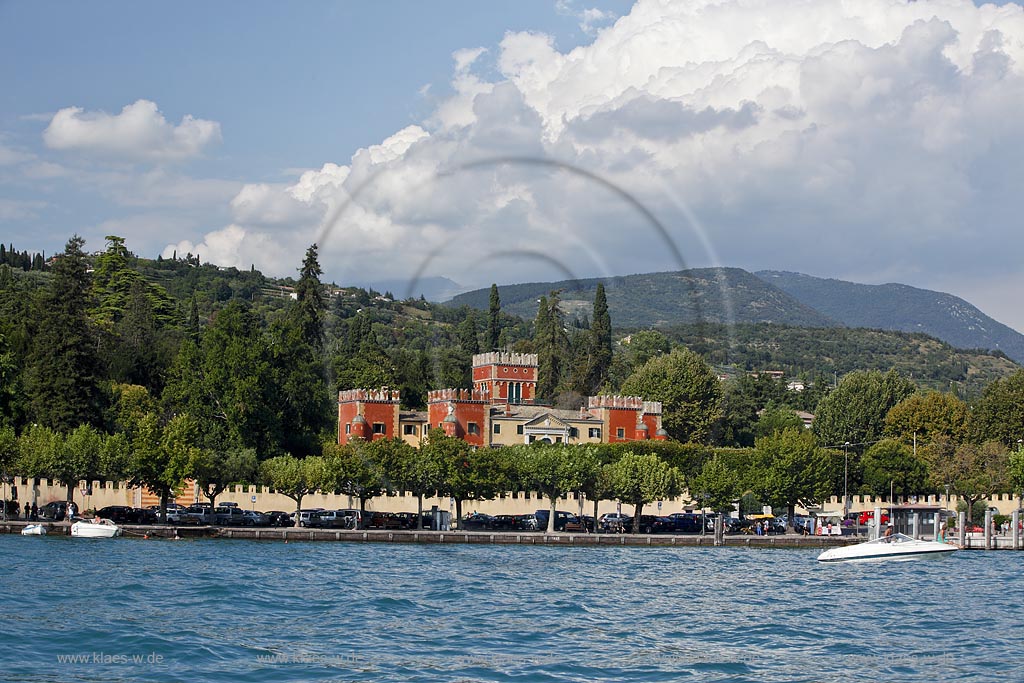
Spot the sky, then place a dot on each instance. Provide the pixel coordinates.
(874, 141)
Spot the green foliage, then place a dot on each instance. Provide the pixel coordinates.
(689, 392)
(999, 414)
(642, 479)
(855, 412)
(890, 465)
(295, 477)
(215, 470)
(551, 345)
(927, 415)
(62, 378)
(776, 419)
(494, 319)
(791, 470)
(553, 470)
(716, 486)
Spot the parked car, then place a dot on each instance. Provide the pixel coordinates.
(503, 522)
(407, 520)
(526, 522)
(653, 524)
(118, 514)
(476, 522)
(577, 524)
(330, 519)
(255, 518)
(867, 516)
(54, 512)
(687, 522)
(279, 518)
(229, 516)
(561, 518)
(306, 517)
(381, 520)
(614, 522)
(145, 516)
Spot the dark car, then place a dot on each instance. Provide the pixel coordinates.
(119, 514)
(145, 516)
(583, 524)
(687, 522)
(561, 518)
(54, 512)
(653, 524)
(407, 520)
(278, 518)
(503, 522)
(526, 523)
(476, 522)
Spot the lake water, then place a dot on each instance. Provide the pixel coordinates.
(227, 611)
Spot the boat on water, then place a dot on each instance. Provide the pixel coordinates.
(33, 530)
(897, 547)
(98, 528)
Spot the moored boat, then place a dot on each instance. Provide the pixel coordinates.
(34, 530)
(99, 528)
(897, 547)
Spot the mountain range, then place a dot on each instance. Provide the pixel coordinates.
(736, 296)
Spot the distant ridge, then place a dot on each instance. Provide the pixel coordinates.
(715, 295)
(903, 308)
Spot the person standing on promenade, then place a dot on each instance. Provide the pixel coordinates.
(35, 512)
(72, 510)
(28, 511)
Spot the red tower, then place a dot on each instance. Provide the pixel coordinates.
(506, 377)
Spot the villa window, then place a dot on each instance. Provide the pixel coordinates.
(474, 428)
(497, 428)
(380, 428)
(620, 432)
(409, 430)
(594, 433)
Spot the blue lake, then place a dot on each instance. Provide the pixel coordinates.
(227, 611)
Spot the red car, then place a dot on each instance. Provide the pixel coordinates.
(868, 515)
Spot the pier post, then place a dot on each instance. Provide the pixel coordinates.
(961, 528)
(876, 524)
(1015, 522)
(913, 525)
(988, 529)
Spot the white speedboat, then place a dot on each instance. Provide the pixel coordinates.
(893, 548)
(100, 528)
(33, 530)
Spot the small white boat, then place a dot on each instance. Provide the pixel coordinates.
(101, 528)
(897, 547)
(33, 530)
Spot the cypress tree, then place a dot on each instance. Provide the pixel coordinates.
(601, 339)
(62, 375)
(494, 320)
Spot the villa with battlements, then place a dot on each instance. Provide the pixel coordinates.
(500, 410)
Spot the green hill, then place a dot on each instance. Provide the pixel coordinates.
(900, 307)
(718, 295)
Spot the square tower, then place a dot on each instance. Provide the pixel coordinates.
(506, 377)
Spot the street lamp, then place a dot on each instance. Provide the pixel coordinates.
(846, 471)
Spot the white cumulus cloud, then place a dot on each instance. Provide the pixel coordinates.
(138, 133)
(868, 139)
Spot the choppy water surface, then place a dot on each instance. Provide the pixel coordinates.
(225, 611)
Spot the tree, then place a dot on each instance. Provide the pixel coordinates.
(791, 470)
(466, 474)
(641, 479)
(62, 378)
(553, 470)
(716, 486)
(999, 413)
(295, 477)
(855, 411)
(356, 470)
(974, 471)
(600, 341)
(688, 389)
(924, 416)
(229, 386)
(163, 455)
(418, 471)
(309, 301)
(551, 344)
(891, 466)
(1015, 469)
(216, 470)
(776, 419)
(494, 320)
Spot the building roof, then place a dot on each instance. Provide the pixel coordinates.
(413, 416)
(532, 413)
